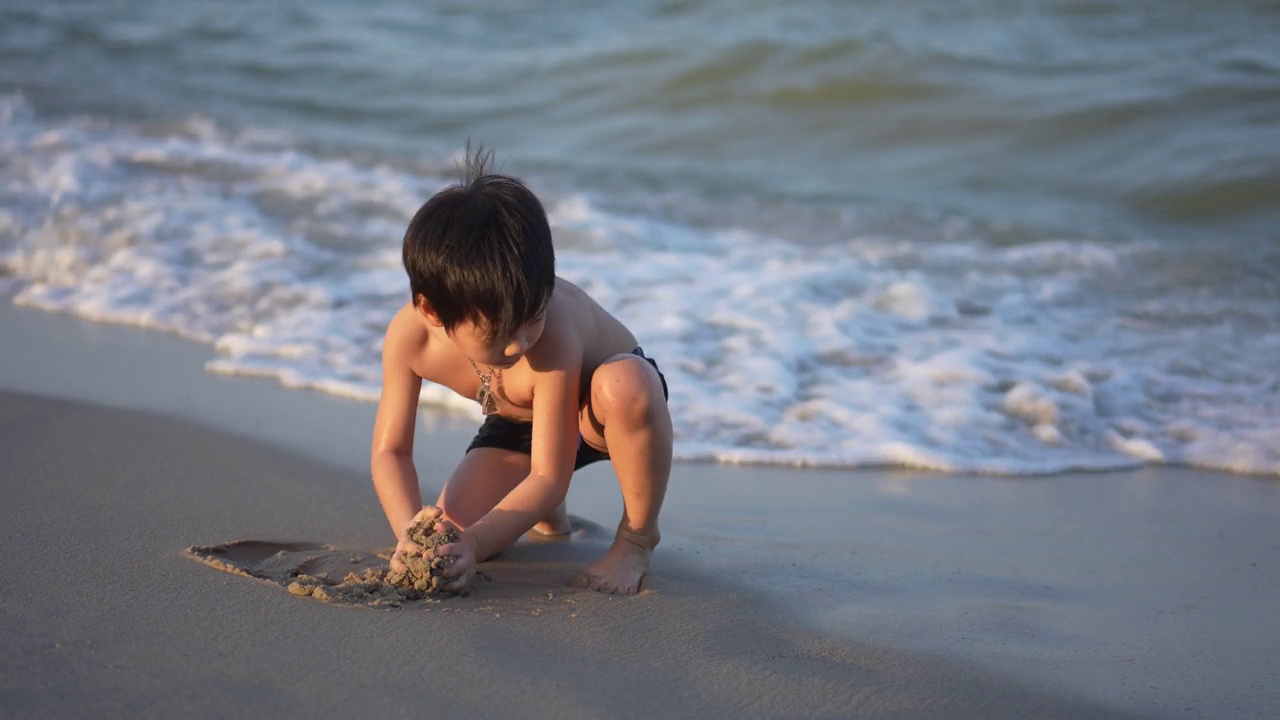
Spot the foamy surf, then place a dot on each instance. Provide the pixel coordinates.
(925, 350)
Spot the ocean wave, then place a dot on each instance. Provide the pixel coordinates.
(808, 297)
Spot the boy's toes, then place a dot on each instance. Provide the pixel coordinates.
(625, 588)
(604, 584)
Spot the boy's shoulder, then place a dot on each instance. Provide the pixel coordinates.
(405, 336)
(582, 327)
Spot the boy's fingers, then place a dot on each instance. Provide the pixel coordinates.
(452, 548)
(457, 577)
(456, 568)
(453, 570)
(428, 512)
(457, 585)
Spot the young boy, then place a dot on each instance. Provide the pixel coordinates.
(561, 381)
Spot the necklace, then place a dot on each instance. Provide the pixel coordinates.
(485, 396)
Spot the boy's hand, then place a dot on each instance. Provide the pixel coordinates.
(463, 552)
(404, 548)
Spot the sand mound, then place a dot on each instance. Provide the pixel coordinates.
(308, 570)
(312, 569)
(358, 577)
(419, 576)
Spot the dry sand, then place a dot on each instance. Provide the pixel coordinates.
(775, 593)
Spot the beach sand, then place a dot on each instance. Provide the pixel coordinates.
(776, 592)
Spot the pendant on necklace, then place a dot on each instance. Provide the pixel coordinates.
(484, 396)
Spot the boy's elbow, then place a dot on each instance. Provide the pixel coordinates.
(380, 457)
(555, 487)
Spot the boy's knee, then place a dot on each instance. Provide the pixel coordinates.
(626, 390)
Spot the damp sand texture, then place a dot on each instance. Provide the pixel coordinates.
(313, 569)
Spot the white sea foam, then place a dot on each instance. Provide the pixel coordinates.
(921, 352)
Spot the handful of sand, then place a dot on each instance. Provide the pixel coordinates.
(419, 576)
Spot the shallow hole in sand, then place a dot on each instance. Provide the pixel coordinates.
(534, 573)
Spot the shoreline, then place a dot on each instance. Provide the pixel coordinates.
(1143, 591)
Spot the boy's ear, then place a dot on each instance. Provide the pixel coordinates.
(426, 311)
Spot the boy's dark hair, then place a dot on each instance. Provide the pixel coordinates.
(480, 251)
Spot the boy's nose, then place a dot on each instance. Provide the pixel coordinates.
(516, 347)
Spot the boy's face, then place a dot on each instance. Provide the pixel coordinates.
(474, 340)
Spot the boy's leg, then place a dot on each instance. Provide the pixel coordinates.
(481, 480)
(628, 416)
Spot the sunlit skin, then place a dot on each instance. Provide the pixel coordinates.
(571, 373)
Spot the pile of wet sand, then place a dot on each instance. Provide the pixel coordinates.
(419, 575)
(311, 569)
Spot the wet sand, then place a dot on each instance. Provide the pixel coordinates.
(776, 593)
(105, 616)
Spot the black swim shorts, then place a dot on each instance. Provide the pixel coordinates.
(517, 436)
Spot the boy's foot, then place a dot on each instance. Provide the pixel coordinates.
(619, 571)
(555, 525)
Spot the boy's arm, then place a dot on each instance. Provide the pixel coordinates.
(391, 455)
(554, 448)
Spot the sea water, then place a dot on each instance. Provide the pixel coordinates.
(965, 235)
